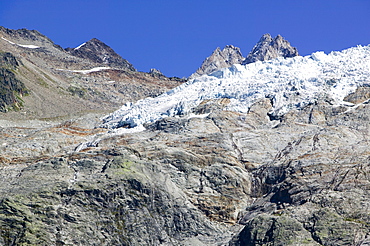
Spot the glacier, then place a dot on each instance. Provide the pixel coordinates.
(288, 82)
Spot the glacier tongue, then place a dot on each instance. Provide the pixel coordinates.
(289, 82)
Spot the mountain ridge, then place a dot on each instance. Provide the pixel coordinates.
(79, 82)
(267, 48)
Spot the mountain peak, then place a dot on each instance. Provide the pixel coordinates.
(269, 48)
(219, 59)
(266, 37)
(98, 52)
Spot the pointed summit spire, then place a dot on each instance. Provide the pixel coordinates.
(219, 59)
(269, 48)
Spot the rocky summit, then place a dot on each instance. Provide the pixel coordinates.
(268, 153)
(98, 52)
(267, 48)
(219, 59)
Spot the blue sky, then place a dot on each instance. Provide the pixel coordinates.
(175, 36)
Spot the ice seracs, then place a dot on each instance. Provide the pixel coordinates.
(288, 82)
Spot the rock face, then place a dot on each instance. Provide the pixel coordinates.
(224, 179)
(11, 89)
(269, 48)
(98, 52)
(219, 59)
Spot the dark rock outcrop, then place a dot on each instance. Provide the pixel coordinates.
(11, 88)
(269, 48)
(359, 96)
(98, 52)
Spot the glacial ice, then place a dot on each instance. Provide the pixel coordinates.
(289, 82)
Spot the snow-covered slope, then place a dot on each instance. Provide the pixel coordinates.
(290, 83)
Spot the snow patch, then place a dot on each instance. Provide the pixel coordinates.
(79, 46)
(29, 46)
(200, 116)
(95, 69)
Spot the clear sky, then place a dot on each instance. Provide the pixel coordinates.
(175, 36)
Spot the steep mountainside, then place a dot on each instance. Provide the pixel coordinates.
(11, 89)
(268, 153)
(61, 83)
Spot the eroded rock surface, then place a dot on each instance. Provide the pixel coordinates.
(213, 178)
(11, 89)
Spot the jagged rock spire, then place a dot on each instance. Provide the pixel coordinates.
(219, 59)
(269, 48)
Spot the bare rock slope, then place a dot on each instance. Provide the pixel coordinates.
(225, 179)
(98, 52)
